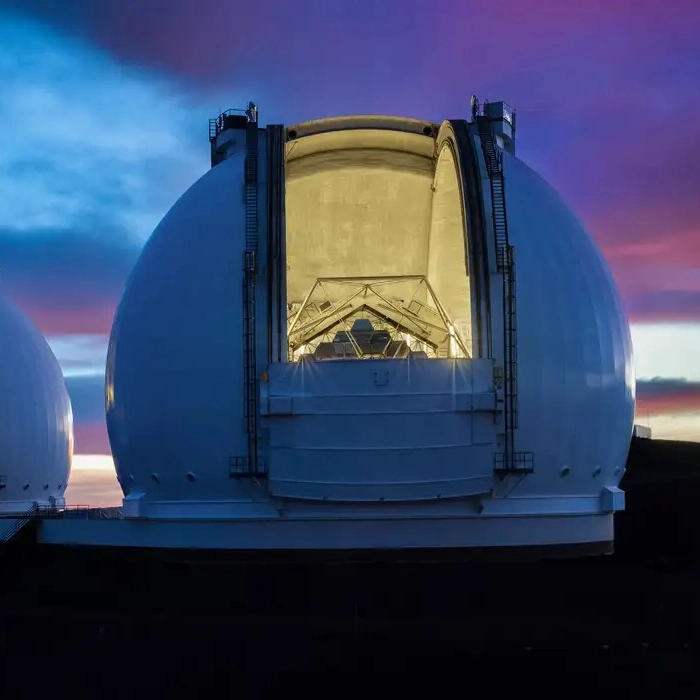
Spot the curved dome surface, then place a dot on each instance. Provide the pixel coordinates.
(174, 381)
(367, 204)
(576, 384)
(36, 420)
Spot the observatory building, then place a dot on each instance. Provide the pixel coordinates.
(367, 333)
(36, 421)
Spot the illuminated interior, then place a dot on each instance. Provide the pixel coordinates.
(376, 255)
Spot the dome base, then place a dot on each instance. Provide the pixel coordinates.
(568, 527)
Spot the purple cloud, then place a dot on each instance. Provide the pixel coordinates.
(663, 396)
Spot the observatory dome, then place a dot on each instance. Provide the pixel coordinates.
(384, 248)
(36, 421)
(576, 384)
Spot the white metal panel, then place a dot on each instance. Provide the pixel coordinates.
(377, 430)
(642, 431)
(575, 374)
(36, 421)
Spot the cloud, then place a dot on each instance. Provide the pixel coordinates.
(603, 92)
(670, 406)
(96, 487)
(107, 105)
(87, 397)
(659, 396)
(99, 152)
(211, 40)
(666, 350)
(219, 43)
(94, 144)
(80, 355)
(684, 426)
(67, 280)
(665, 305)
(91, 438)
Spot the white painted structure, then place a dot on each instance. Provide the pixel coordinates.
(642, 431)
(376, 451)
(36, 421)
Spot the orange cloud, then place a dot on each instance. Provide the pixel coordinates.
(667, 396)
(91, 438)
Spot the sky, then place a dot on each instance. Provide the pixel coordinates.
(105, 106)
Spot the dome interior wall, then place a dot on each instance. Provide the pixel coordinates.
(358, 206)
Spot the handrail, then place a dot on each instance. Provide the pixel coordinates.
(21, 514)
(41, 512)
(218, 124)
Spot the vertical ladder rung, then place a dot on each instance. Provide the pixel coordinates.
(250, 265)
(508, 461)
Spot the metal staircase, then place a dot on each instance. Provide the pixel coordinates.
(13, 529)
(509, 461)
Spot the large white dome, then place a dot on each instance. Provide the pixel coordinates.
(575, 375)
(370, 198)
(36, 421)
(174, 383)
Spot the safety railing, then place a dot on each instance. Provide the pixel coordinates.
(231, 119)
(78, 511)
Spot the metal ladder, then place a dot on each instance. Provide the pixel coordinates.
(250, 466)
(509, 461)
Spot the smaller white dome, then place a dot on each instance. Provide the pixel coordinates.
(36, 420)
